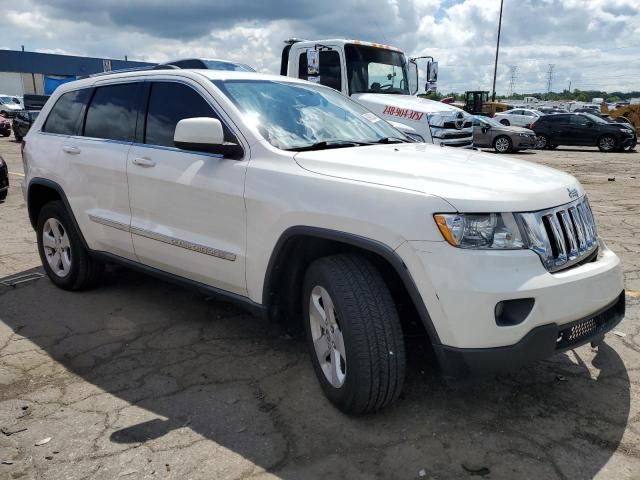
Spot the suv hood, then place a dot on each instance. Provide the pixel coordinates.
(470, 181)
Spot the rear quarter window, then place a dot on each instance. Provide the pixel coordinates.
(65, 116)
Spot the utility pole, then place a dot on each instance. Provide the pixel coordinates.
(569, 86)
(513, 69)
(495, 68)
(550, 77)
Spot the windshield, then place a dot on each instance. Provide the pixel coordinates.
(595, 118)
(5, 99)
(235, 67)
(292, 116)
(376, 70)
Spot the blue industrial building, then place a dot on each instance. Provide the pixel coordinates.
(40, 73)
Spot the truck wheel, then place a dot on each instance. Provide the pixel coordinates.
(502, 144)
(606, 143)
(505, 122)
(354, 333)
(63, 256)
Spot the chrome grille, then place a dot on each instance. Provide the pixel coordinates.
(561, 236)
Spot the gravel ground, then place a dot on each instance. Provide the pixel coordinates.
(141, 379)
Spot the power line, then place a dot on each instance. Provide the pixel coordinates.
(514, 70)
(550, 77)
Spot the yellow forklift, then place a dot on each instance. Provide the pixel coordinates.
(476, 102)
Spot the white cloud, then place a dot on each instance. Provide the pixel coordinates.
(594, 44)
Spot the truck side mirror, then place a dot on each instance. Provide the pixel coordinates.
(313, 65)
(432, 72)
(413, 77)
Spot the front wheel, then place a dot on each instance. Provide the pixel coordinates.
(66, 261)
(502, 144)
(6, 134)
(354, 333)
(607, 143)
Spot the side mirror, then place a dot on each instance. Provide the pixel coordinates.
(204, 134)
(485, 129)
(413, 77)
(432, 72)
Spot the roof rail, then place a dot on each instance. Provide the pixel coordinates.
(123, 70)
(291, 41)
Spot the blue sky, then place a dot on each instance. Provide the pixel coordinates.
(593, 44)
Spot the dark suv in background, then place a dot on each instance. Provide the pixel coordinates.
(583, 129)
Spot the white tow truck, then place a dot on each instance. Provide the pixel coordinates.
(383, 80)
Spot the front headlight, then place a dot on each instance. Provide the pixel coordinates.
(480, 231)
(524, 134)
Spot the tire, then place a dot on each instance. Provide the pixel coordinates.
(362, 336)
(17, 137)
(542, 141)
(502, 144)
(505, 122)
(73, 269)
(551, 147)
(6, 134)
(3, 195)
(607, 143)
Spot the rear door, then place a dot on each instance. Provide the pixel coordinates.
(188, 211)
(96, 183)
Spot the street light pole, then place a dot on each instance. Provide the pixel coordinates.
(495, 68)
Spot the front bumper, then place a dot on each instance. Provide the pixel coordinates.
(540, 343)
(523, 143)
(461, 288)
(629, 142)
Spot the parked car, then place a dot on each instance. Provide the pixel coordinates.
(8, 106)
(583, 129)
(550, 110)
(5, 126)
(22, 123)
(488, 133)
(4, 179)
(212, 64)
(291, 199)
(520, 117)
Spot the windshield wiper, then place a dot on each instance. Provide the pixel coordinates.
(392, 140)
(327, 144)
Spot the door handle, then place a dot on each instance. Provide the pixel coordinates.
(70, 149)
(144, 162)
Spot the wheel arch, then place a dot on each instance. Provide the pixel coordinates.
(298, 246)
(42, 191)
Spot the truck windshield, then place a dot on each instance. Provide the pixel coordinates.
(294, 116)
(376, 70)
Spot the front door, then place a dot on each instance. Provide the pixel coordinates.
(582, 130)
(187, 207)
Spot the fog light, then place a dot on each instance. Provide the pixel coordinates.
(513, 312)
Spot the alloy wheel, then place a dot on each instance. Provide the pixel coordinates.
(328, 341)
(57, 248)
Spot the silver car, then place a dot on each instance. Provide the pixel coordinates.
(488, 133)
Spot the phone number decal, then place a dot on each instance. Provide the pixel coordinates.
(402, 113)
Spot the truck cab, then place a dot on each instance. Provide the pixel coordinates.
(382, 79)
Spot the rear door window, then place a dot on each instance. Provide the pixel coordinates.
(170, 102)
(112, 113)
(65, 116)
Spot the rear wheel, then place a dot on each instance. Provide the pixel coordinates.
(63, 255)
(502, 144)
(505, 122)
(607, 143)
(542, 141)
(354, 333)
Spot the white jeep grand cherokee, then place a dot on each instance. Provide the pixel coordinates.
(291, 199)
